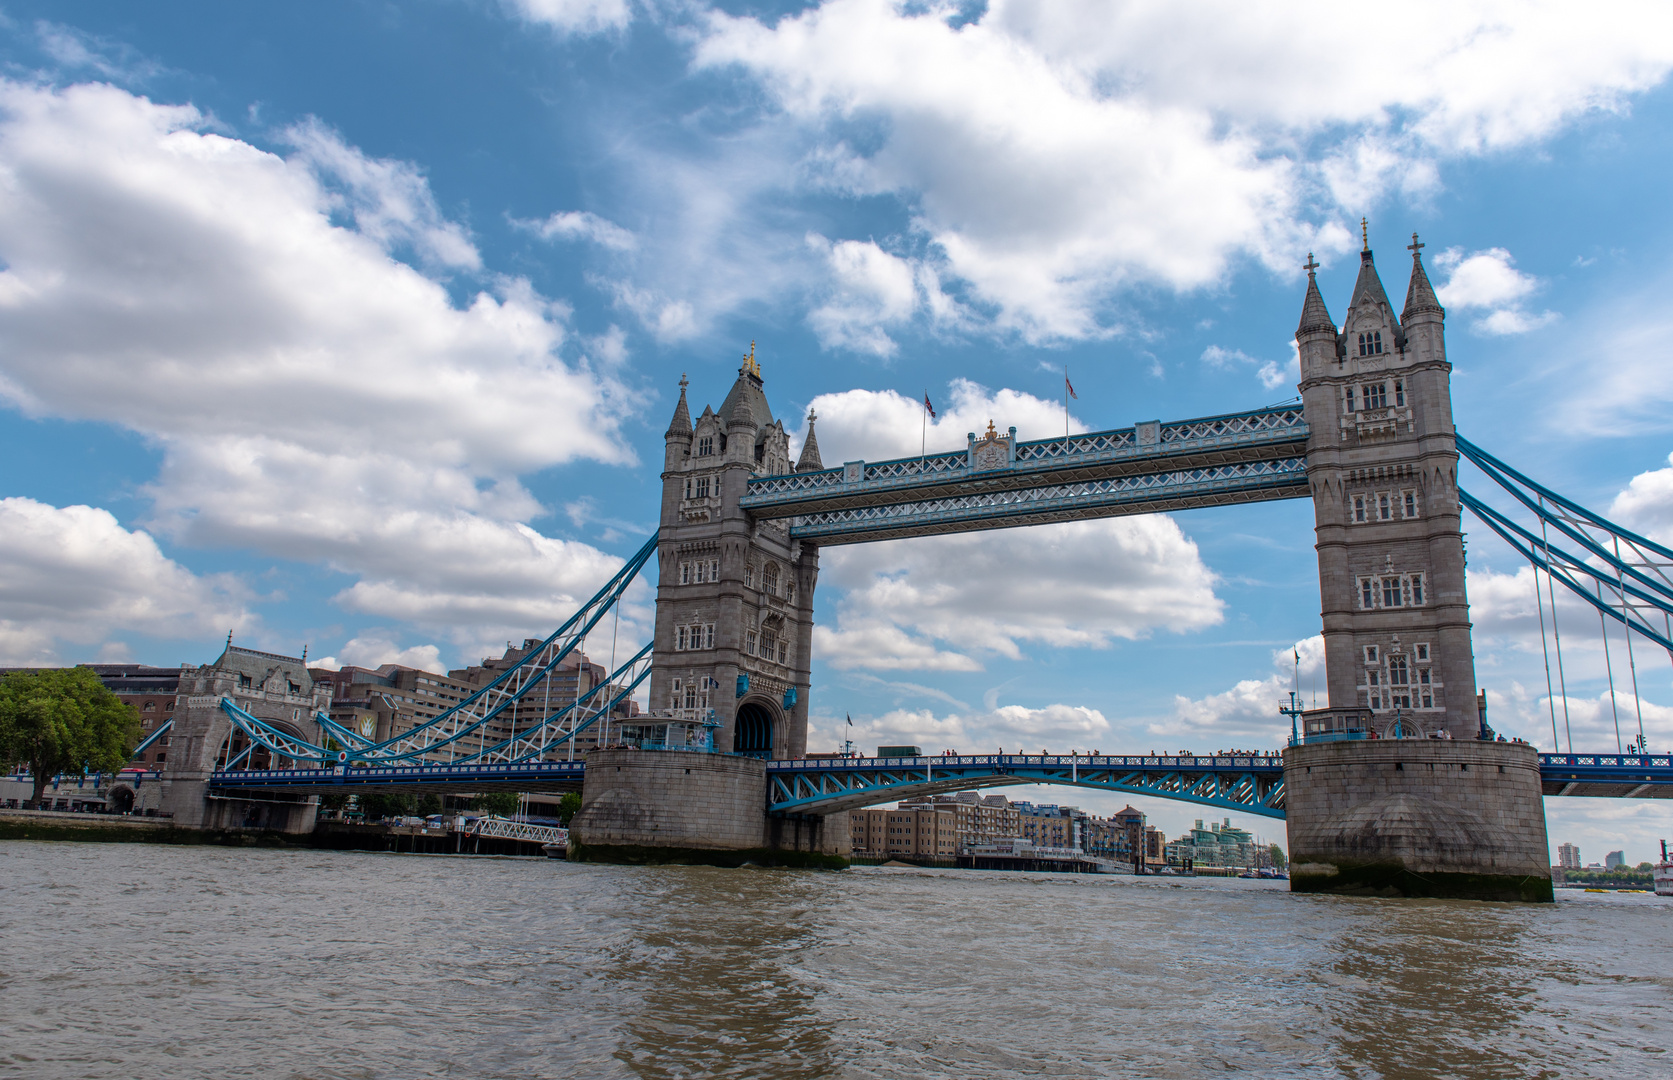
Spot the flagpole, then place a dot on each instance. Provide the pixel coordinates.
(1065, 408)
(923, 433)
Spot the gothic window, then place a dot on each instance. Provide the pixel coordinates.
(1359, 508)
(1428, 701)
(714, 569)
(676, 694)
(1362, 344)
(685, 573)
(679, 638)
(1391, 592)
(698, 572)
(789, 593)
(705, 445)
(709, 636)
(1377, 342)
(1397, 674)
(1371, 657)
(769, 578)
(1376, 396)
(783, 652)
(688, 489)
(1350, 399)
(702, 487)
(1384, 513)
(690, 696)
(1366, 600)
(1417, 589)
(769, 644)
(1399, 392)
(749, 575)
(1408, 500)
(1423, 652)
(749, 643)
(1423, 676)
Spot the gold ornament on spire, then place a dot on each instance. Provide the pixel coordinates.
(1365, 234)
(751, 366)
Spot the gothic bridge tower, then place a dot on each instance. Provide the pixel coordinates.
(1383, 467)
(1394, 789)
(734, 605)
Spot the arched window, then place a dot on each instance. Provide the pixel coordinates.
(769, 578)
(1377, 338)
(1362, 344)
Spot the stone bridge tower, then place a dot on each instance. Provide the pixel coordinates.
(734, 605)
(1383, 467)
(1396, 788)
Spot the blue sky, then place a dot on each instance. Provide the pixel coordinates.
(357, 324)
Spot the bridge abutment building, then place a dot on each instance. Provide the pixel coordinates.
(1395, 786)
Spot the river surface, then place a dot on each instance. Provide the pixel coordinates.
(137, 961)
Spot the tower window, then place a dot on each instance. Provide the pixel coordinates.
(1399, 392)
(705, 445)
(749, 575)
(1376, 396)
(1423, 676)
(1409, 499)
(1417, 588)
(679, 638)
(685, 573)
(1371, 658)
(702, 487)
(1397, 670)
(1359, 508)
(1350, 399)
(1423, 653)
(749, 643)
(1367, 600)
(1377, 346)
(1391, 592)
(769, 578)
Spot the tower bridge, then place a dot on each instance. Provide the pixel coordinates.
(1396, 784)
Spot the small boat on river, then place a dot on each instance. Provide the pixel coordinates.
(1664, 873)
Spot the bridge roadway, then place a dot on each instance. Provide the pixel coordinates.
(1241, 783)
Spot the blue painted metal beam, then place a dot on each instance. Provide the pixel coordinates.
(1607, 776)
(1247, 784)
(998, 482)
(477, 776)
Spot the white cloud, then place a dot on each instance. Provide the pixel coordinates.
(74, 574)
(1271, 373)
(942, 603)
(1245, 717)
(1489, 281)
(581, 225)
(314, 397)
(1050, 154)
(872, 292)
(573, 16)
(1053, 728)
(376, 650)
(1646, 506)
(881, 424)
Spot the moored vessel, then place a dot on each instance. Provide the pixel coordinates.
(1664, 873)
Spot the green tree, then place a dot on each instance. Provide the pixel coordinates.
(63, 720)
(569, 806)
(380, 805)
(429, 804)
(503, 803)
(1279, 859)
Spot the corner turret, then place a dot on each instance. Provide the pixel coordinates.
(1424, 318)
(1315, 338)
(809, 461)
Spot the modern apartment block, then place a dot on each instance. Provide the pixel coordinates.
(1568, 857)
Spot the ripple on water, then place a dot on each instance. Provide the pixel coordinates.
(131, 960)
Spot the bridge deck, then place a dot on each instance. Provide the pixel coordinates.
(1248, 784)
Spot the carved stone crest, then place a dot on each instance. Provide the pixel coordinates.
(992, 450)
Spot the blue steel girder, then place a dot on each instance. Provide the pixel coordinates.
(1247, 784)
(472, 777)
(1244, 457)
(1607, 776)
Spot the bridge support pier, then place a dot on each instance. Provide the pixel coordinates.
(671, 806)
(1417, 817)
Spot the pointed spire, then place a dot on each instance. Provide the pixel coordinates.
(681, 424)
(809, 461)
(1314, 316)
(1368, 288)
(1420, 295)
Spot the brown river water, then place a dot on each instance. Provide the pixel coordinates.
(129, 961)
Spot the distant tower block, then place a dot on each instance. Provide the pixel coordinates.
(1383, 467)
(734, 606)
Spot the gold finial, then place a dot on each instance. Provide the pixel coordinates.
(992, 432)
(751, 366)
(1365, 234)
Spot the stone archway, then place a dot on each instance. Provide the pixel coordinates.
(121, 799)
(753, 728)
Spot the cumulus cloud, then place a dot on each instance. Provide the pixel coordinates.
(581, 225)
(1049, 155)
(873, 291)
(1246, 716)
(943, 603)
(75, 574)
(573, 16)
(1271, 373)
(375, 650)
(1488, 284)
(883, 424)
(315, 397)
(1646, 506)
(1054, 728)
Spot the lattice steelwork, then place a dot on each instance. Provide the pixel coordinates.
(1244, 457)
(461, 734)
(1248, 784)
(1285, 478)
